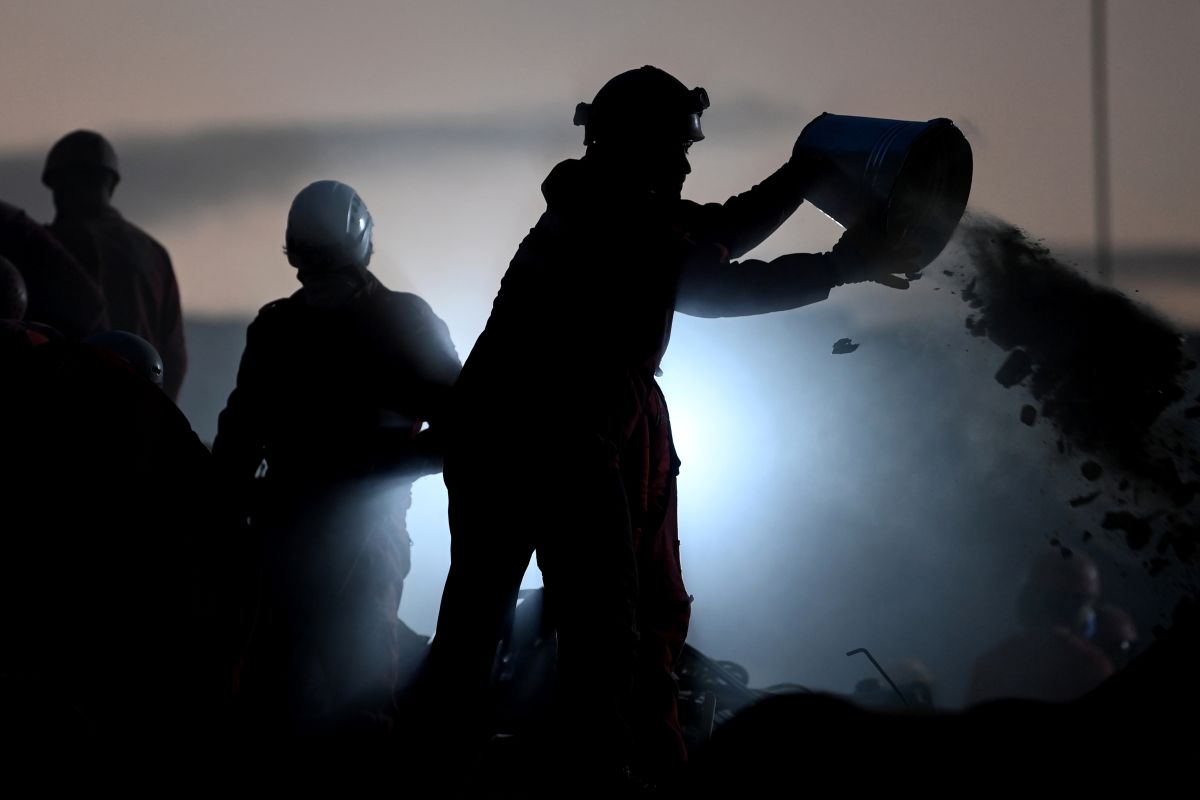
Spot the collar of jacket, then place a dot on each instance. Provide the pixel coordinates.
(102, 213)
(584, 185)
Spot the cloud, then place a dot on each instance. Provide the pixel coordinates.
(165, 175)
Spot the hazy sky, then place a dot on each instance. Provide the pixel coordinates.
(879, 468)
(1013, 74)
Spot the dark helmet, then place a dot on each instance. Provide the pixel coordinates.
(13, 296)
(328, 227)
(134, 351)
(80, 151)
(1060, 591)
(644, 103)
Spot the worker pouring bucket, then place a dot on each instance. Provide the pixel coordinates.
(914, 177)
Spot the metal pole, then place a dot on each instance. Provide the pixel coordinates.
(1104, 265)
(882, 672)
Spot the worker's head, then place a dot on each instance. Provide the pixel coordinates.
(641, 125)
(13, 296)
(136, 352)
(1061, 592)
(329, 240)
(81, 170)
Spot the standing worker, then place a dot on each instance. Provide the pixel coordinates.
(335, 385)
(587, 479)
(1054, 658)
(133, 270)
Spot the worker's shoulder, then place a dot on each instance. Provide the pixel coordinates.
(407, 305)
(276, 311)
(10, 214)
(137, 234)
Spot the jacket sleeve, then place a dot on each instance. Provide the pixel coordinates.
(239, 448)
(710, 285)
(744, 221)
(429, 360)
(170, 331)
(424, 367)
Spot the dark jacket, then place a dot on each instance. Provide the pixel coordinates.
(329, 395)
(1050, 664)
(591, 292)
(135, 274)
(111, 586)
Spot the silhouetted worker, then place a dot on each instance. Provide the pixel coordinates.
(1051, 659)
(562, 442)
(60, 293)
(335, 384)
(111, 576)
(133, 270)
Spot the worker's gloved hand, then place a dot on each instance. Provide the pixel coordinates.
(862, 255)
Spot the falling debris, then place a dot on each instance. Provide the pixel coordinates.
(1102, 367)
(1137, 530)
(1108, 375)
(1183, 539)
(1016, 368)
(843, 346)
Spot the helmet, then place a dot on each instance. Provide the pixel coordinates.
(134, 351)
(328, 228)
(13, 296)
(1062, 589)
(644, 103)
(80, 151)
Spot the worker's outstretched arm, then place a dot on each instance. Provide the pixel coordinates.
(743, 288)
(710, 285)
(744, 221)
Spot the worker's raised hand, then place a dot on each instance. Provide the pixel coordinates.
(864, 255)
